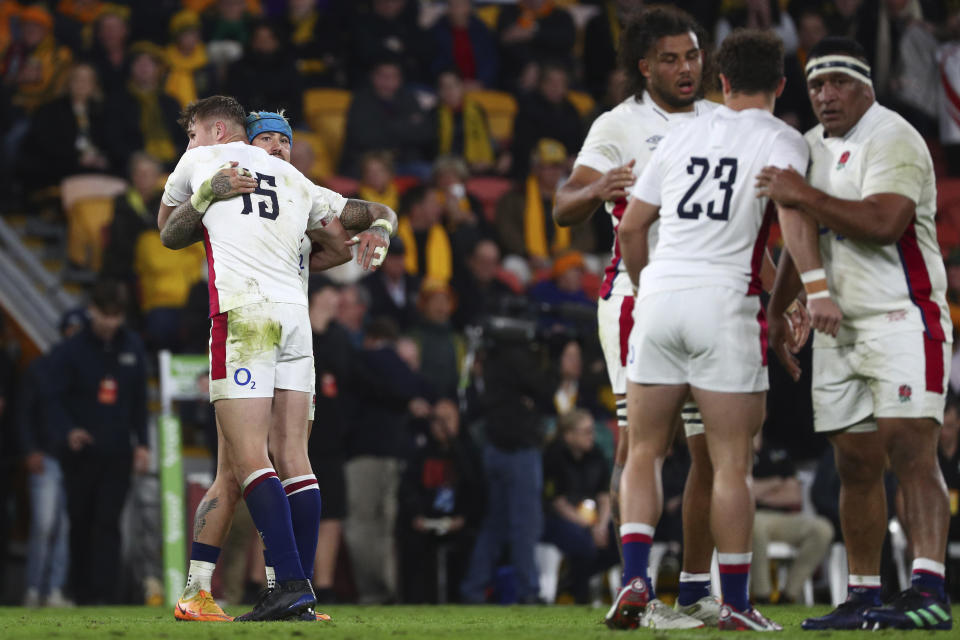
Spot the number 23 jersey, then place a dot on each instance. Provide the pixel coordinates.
(253, 242)
(713, 228)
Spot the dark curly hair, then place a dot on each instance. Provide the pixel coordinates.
(752, 60)
(226, 108)
(641, 34)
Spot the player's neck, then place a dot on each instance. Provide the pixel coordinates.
(743, 101)
(663, 105)
(237, 137)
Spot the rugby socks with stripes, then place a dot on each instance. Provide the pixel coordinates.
(270, 511)
(693, 587)
(637, 539)
(621, 412)
(303, 493)
(203, 560)
(927, 577)
(735, 579)
(690, 414)
(864, 589)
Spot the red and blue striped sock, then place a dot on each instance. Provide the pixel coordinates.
(693, 587)
(927, 577)
(864, 589)
(270, 511)
(735, 579)
(303, 493)
(637, 539)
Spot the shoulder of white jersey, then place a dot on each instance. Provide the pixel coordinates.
(889, 125)
(705, 106)
(813, 135)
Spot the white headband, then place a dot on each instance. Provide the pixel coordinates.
(849, 65)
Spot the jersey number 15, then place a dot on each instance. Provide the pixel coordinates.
(725, 173)
(269, 212)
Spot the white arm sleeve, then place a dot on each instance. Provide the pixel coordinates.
(178, 188)
(601, 150)
(326, 205)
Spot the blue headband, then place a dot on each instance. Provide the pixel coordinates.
(265, 122)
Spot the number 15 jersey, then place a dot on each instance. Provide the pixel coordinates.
(713, 228)
(253, 241)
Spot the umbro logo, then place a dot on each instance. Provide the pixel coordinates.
(653, 141)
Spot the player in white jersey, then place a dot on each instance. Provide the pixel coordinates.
(879, 385)
(271, 132)
(664, 62)
(700, 327)
(261, 357)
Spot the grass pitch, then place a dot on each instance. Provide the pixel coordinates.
(354, 623)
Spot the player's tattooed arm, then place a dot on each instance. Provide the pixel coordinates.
(358, 215)
(183, 227)
(373, 223)
(200, 520)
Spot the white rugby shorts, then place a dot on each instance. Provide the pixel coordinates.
(901, 375)
(614, 323)
(257, 348)
(712, 338)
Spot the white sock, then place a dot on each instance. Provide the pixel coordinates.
(271, 577)
(198, 578)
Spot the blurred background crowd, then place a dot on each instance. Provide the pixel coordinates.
(473, 351)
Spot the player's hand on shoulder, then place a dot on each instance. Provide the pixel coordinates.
(231, 181)
(825, 315)
(783, 186)
(614, 183)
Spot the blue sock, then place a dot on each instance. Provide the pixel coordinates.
(303, 493)
(204, 552)
(271, 514)
(693, 587)
(735, 579)
(864, 589)
(636, 538)
(927, 577)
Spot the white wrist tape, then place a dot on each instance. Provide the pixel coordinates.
(380, 222)
(813, 275)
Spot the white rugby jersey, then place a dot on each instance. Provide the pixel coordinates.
(629, 131)
(253, 241)
(713, 228)
(882, 289)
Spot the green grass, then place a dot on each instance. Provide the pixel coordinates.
(353, 622)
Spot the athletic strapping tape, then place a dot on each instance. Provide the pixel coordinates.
(838, 63)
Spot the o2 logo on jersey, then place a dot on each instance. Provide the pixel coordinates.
(269, 212)
(243, 377)
(725, 173)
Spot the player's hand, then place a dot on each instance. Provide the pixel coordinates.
(613, 184)
(372, 246)
(825, 315)
(784, 186)
(230, 182)
(77, 439)
(799, 320)
(34, 462)
(777, 335)
(141, 459)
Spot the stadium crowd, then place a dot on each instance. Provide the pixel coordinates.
(468, 365)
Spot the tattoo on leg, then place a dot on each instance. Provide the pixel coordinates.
(220, 185)
(200, 520)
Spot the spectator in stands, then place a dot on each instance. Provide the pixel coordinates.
(949, 451)
(393, 291)
(385, 115)
(318, 37)
(546, 114)
(229, 21)
(441, 504)
(429, 254)
(334, 359)
(952, 263)
(479, 289)
(462, 213)
(574, 387)
(48, 551)
(266, 74)
(524, 224)
(576, 489)
(134, 211)
(352, 312)
(109, 53)
(779, 518)
(600, 41)
(389, 29)
(97, 407)
(142, 116)
(757, 14)
(465, 46)
(793, 106)
(565, 285)
(377, 443)
(533, 32)
(441, 347)
(948, 56)
(376, 179)
(190, 75)
(462, 127)
(67, 136)
(73, 19)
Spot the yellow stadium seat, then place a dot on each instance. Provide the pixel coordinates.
(501, 108)
(582, 102)
(325, 111)
(87, 219)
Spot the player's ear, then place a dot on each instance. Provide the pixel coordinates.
(644, 66)
(783, 83)
(725, 86)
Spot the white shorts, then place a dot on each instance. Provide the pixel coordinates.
(712, 338)
(257, 348)
(901, 375)
(614, 323)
